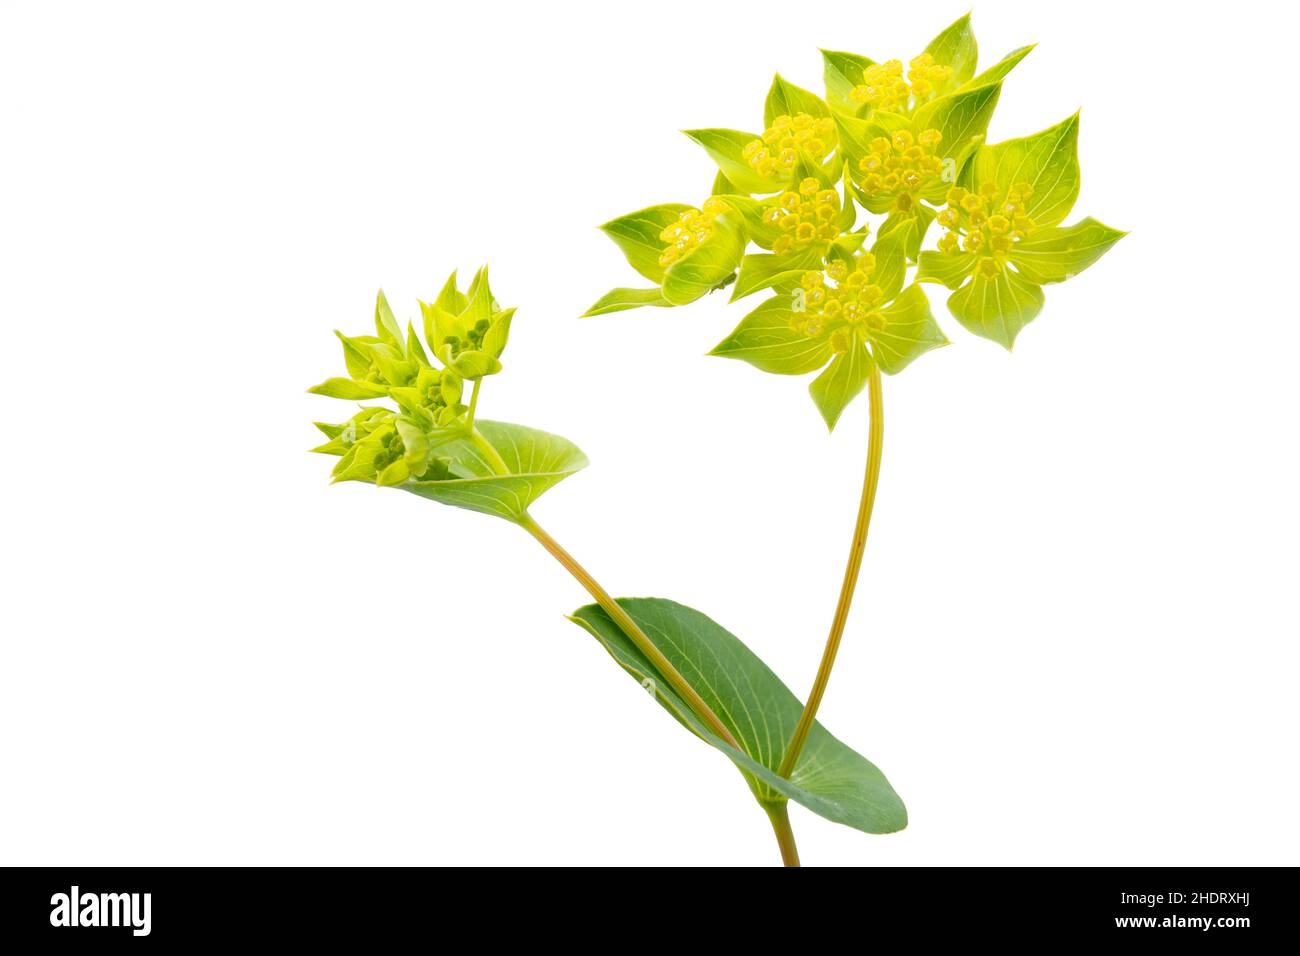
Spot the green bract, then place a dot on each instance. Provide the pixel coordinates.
(1005, 240)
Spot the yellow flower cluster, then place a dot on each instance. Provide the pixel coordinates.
(883, 86)
(986, 223)
(777, 150)
(839, 303)
(803, 217)
(692, 228)
(901, 165)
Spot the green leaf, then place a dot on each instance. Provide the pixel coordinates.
(765, 340)
(1048, 161)
(709, 265)
(616, 300)
(1000, 69)
(786, 99)
(830, 779)
(908, 333)
(637, 234)
(891, 262)
(841, 383)
(911, 229)
(536, 461)
(762, 270)
(843, 72)
(725, 147)
(1057, 253)
(947, 268)
(997, 308)
(955, 47)
(349, 389)
(963, 119)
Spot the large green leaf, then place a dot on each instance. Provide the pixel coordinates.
(765, 340)
(830, 779)
(536, 461)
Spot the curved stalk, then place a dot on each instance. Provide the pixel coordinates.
(611, 607)
(872, 477)
(632, 630)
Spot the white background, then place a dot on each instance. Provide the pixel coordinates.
(1075, 640)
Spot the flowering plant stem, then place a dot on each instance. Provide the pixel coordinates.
(779, 814)
(612, 607)
(874, 443)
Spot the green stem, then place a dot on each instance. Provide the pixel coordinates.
(494, 459)
(632, 630)
(612, 607)
(473, 404)
(874, 443)
(779, 814)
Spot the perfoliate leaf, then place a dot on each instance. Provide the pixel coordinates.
(843, 72)
(841, 383)
(955, 47)
(786, 99)
(948, 268)
(829, 779)
(708, 265)
(725, 147)
(347, 388)
(997, 307)
(1057, 253)
(616, 300)
(1048, 161)
(637, 234)
(1000, 69)
(765, 340)
(536, 462)
(909, 331)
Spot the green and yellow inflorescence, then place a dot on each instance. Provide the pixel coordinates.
(903, 140)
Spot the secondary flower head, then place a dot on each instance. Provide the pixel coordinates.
(987, 223)
(692, 228)
(466, 333)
